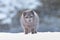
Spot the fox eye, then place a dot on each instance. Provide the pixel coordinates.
(30, 16)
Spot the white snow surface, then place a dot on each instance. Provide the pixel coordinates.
(38, 36)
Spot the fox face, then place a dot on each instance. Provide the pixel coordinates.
(28, 16)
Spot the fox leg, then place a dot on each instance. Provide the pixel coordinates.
(33, 30)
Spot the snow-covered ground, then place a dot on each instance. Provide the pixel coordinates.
(38, 36)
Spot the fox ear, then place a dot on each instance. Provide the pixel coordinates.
(32, 12)
(24, 13)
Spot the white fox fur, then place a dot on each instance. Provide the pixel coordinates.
(32, 25)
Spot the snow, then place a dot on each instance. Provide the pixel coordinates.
(38, 36)
(7, 21)
(3, 16)
(6, 6)
(30, 4)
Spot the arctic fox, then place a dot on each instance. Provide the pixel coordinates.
(29, 21)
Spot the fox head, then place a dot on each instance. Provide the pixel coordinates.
(28, 15)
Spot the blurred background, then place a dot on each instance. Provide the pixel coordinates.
(48, 11)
